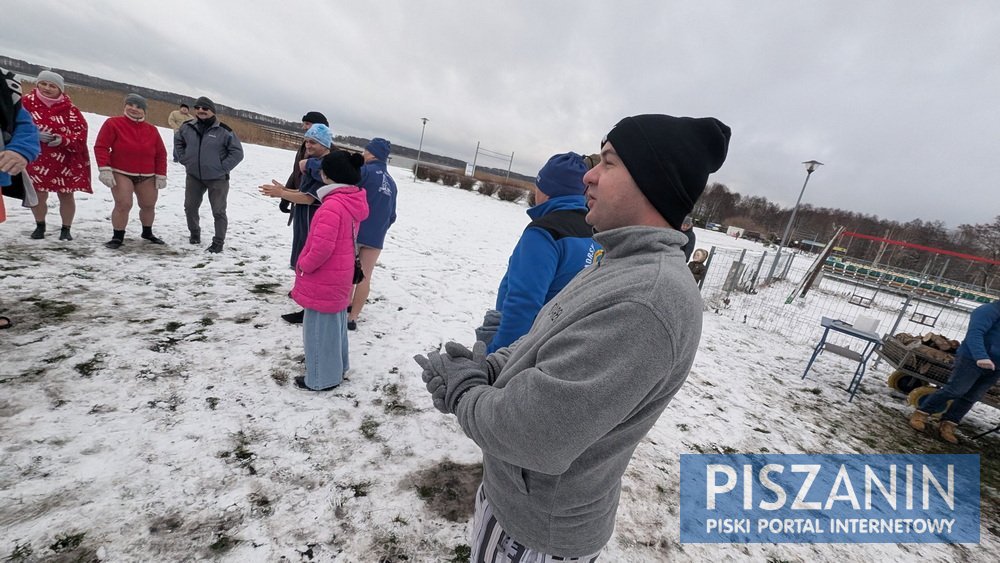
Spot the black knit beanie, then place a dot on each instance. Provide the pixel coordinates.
(670, 158)
(343, 167)
(315, 117)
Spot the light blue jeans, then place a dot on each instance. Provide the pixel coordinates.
(324, 336)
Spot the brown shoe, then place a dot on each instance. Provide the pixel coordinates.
(918, 420)
(947, 431)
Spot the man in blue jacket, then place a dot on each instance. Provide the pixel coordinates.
(209, 150)
(553, 248)
(974, 373)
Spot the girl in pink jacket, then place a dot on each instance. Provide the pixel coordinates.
(325, 270)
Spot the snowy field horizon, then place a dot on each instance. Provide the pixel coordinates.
(147, 411)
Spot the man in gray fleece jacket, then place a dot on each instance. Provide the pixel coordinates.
(559, 412)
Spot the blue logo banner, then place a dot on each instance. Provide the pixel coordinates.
(829, 498)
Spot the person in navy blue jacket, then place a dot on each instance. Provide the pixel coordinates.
(975, 371)
(553, 248)
(381, 191)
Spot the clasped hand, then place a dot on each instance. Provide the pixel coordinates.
(449, 376)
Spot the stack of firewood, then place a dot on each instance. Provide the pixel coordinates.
(932, 346)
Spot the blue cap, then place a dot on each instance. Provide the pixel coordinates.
(321, 134)
(379, 148)
(562, 175)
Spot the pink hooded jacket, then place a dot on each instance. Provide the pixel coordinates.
(325, 270)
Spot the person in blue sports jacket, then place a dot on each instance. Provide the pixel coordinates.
(975, 371)
(20, 136)
(19, 143)
(553, 248)
(380, 189)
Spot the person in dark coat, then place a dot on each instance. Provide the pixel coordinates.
(687, 227)
(209, 150)
(975, 371)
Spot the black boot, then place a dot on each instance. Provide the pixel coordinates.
(64, 233)
(39, 231)
(215, 247)
(294, 318)
(116, 239)
(147, 233)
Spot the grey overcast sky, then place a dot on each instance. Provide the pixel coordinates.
(898, 98)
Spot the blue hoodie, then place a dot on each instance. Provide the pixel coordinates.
(982, 340)
(542, 263)
(381, 191)
(24, 141)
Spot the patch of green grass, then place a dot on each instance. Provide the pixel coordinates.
(683, 427)
(67, 542)
(400, 520)
(172, 326)
(205, 321)
(91, 366)
(51, 308)
(369, 428)
(279, 376)
(212, 402)
(361, 488)
(263, 288)
(55, 359)
(461, 554)
(200, 265)
(223, 543)
(241, 452)
(22, 553)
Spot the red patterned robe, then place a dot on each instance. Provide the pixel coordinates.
(66, 167)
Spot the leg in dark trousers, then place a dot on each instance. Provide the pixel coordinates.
(218, 193)
(194, 192)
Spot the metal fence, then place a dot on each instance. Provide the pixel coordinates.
(733, 287)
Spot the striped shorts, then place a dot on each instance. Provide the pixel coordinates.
(491, 544)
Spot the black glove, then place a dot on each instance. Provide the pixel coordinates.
(449, 378)
(488, 363)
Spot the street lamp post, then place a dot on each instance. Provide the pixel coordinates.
(811, 166)
(420, 148)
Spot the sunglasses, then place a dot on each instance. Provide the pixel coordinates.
(201, 107)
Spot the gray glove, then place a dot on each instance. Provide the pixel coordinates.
(433, 381)
(45, 136)
(488, 363)
(55, 141)
(491, 323)
(449, 378)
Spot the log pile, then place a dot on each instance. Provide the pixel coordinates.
(930, 346)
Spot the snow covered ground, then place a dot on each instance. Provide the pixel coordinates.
(147, 411)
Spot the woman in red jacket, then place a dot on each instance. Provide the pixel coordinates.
(132, 159)
(64, 165)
